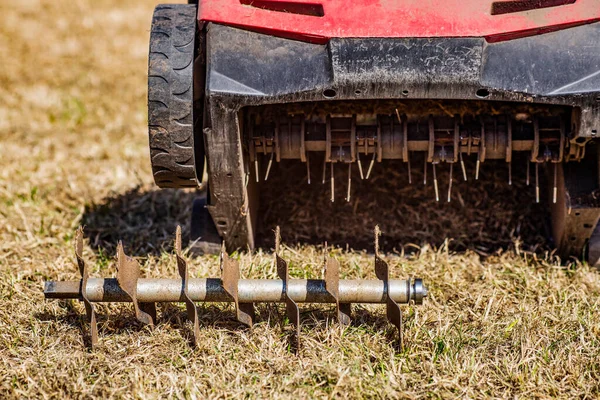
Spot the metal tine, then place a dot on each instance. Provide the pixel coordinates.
(324, 169)
(349, 181)
(332, 283)
(256, 170)
(462, 166)
(83, 270)
(192, 310)
(435, 183)
(393, 312)
(537, 183)
(371, 165)
(269, 166)
(360, 170)
(332, 185)
(308, 169)
(128, 273)
(554, 187)
(291, 308)
(230, 270)
(450, 179)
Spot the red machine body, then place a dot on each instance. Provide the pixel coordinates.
(319, 82)
(320, 21)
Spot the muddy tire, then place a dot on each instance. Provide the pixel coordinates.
(170, 96)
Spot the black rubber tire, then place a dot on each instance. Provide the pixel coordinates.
(171, 97)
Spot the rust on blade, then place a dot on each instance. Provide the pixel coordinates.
(145, 293)
(230, 277)
(192, 310)
(291, 308)
(128, 273)
(83, 270)
(382, 271)
(332, 284)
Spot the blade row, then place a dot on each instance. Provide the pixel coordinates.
(128, 275)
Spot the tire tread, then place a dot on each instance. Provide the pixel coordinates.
(170, 96)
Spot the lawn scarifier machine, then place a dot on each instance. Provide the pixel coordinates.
(240, 85)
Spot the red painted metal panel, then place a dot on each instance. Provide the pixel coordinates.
(393, 18)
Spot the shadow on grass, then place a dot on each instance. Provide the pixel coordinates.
(220, 316)
(71, 316)
(109, 323)
(313, 318)
(144, 220)
(486, 215)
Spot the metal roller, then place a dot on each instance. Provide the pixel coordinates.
(144, 293)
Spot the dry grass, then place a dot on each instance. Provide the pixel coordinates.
(505, 318)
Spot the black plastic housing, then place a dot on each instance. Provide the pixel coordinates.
(249, 69)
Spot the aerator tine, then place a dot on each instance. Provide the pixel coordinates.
(291, 308)
(83, 270)
(230, 270)
(128, 273)
(382, 271)
(332, 285)
(192, 310)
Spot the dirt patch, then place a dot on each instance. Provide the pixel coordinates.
(485, 215)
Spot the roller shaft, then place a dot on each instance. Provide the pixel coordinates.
(249, 290)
